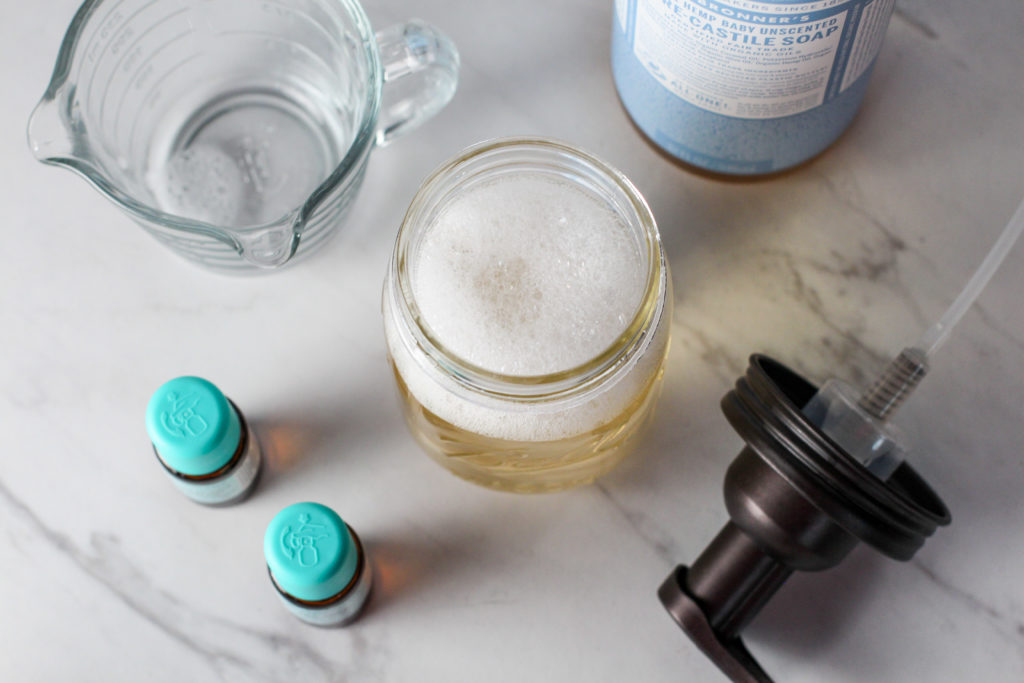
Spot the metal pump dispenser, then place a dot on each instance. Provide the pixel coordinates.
(821, 471)
(797, 501)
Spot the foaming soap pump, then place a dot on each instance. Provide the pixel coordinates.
(820, 472)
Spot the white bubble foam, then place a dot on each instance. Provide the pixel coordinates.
(523, 275)
(202, 182)
(528, 275)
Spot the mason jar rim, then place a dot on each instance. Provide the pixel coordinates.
(614, 359)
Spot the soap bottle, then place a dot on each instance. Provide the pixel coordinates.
(744, 87)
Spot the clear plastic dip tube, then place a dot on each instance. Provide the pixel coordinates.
(527, 312)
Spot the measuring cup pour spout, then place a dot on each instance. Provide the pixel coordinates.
(269, 247)
(48, 136)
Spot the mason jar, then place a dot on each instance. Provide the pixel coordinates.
(527, 311)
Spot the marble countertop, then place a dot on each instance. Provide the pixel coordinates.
(108, 574)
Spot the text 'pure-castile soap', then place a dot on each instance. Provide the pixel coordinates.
(742, 87)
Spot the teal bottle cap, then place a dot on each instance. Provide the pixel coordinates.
(310, 551)
(193, 426)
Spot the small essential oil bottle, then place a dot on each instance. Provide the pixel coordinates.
(317, 564)
(202, 441)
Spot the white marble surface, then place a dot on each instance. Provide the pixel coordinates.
(108, 574)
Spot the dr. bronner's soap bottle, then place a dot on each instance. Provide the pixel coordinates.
(745, 87)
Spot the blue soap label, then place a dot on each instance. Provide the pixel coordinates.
(754, 60)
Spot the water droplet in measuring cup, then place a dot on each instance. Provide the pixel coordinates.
(202, 183)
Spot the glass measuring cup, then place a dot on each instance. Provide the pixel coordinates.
(236, 132)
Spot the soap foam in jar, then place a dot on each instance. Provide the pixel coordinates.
(527, 275)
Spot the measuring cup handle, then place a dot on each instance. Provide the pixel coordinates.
(421, 71)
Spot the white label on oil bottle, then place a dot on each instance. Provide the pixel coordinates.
(758, 60)
(228, 486)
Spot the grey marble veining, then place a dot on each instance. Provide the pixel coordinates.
(108, 574)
